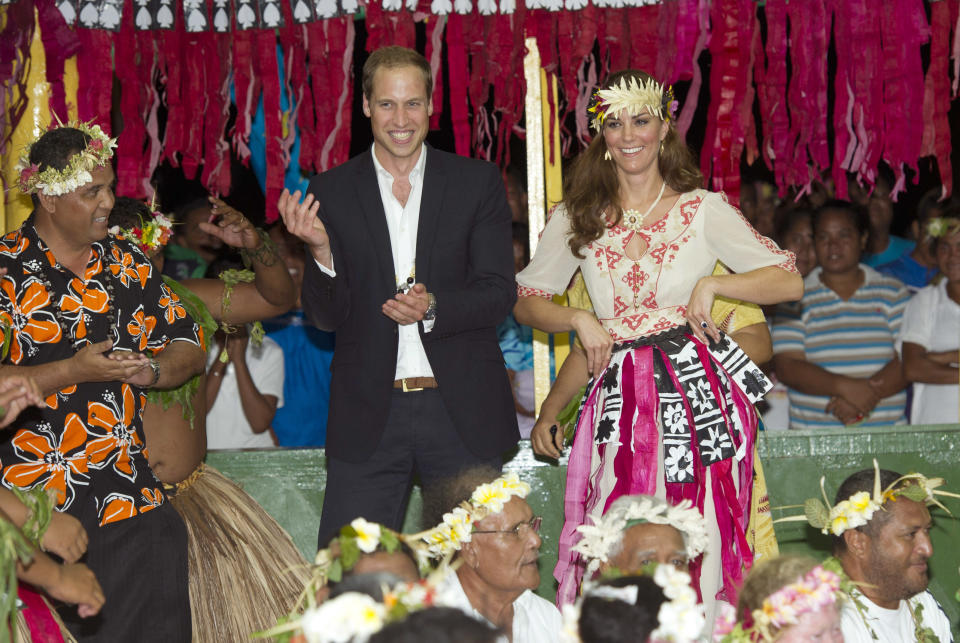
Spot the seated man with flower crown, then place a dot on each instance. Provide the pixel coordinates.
(88, 318)
(881, 539)
(489, 536)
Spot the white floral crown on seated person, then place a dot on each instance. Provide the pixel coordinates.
(817, 589)
(358, 538)
(54, 182)
(598, 541)
(680, 618)
(442, 541)
(352, 617)
(942, 226)
(858, 509)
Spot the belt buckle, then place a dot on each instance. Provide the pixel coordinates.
(409, 389)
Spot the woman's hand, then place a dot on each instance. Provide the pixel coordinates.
(546, 442)
(77, 585)
(699, 307)
(596, 341)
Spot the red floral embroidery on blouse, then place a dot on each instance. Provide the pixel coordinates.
(526, 291)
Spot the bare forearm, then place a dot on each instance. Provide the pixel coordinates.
(889, 380)
(804, 376)
(572, 376)
(214, 378)
(50, 377)
(273, 279)
(179, 361)
(755, 342)
(12, 508)
(545, 315)
(258, 410)
(769, 285)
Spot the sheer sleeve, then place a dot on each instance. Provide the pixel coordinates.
(734, 241)
(553, 264)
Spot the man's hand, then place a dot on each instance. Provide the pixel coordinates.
(596, 341)
(143, 375)
(544, 441)
(407, 307)
(859, 393)
(302, 222)
(77, 585)
(92, 364)
(17, 393)
(844, 411)
(236, 344)
(65, 537)
(232, 228)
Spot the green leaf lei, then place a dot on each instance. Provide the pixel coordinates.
(39, 506)
(14, 548)
(183, 394)
(231, 278)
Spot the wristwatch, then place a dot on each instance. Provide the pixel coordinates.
(155, 367)
(431, 313)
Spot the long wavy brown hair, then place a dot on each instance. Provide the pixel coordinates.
(591, 188)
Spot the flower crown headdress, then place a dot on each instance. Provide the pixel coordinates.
(817, 589)
(597, 541)
(634, 96)
(679, 619)
(152, 234)
(357, 538)
(858, 509)
(54, 182)
(942, 226)
(442, 541)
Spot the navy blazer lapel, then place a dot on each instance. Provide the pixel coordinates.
(431, 202)
(368, 195)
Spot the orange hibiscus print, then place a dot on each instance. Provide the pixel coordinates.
(126, 268)
(31, 318)
(117, 507)
(53, 400)
(113, 439)
(170, 302)
(13, 243)
(57, 462)
(153, 497)
(141, 326)
(83, 296)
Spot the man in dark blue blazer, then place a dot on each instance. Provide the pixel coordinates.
(410, 261)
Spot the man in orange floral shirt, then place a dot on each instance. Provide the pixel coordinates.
(84, 314)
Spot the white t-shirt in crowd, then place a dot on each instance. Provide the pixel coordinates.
(893, 626)
(227, 426)
(535, 619)
(932, 320)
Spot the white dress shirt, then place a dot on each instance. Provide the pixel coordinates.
(402, 221)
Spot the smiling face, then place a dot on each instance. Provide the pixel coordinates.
(506, 562)
(838, 242)
(896, 557)
(399, 110)
(81, 216)
(634, 141)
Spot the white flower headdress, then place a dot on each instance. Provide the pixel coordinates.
(54, 182)
(858, 509)
(448, 537)
(598, 541)
(942, 226)
(634, 96)
(680, 618)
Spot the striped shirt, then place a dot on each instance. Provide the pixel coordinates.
(856, 337)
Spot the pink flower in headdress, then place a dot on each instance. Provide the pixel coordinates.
(672, 109)
(96, 144)
(27, 172)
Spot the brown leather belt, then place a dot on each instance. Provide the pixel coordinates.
(409, 384)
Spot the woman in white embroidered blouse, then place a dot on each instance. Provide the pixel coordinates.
(668, 410)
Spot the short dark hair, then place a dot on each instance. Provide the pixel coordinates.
(437, 625)
(604, 620)
(786, 218)
(856, 212)
(444, 494)
(863, 480)
(128, 213)
(54, 149)
(391, 58)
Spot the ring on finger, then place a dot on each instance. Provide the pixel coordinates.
(703, 325)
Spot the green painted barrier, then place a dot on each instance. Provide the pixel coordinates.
(289, 484)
